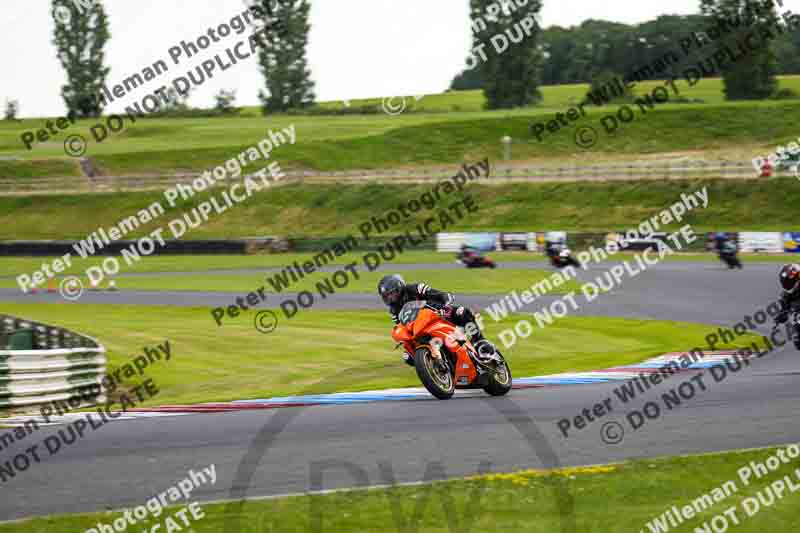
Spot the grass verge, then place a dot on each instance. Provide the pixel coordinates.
(235, 361)
(209, 264)
(457, 281)
(23, 171)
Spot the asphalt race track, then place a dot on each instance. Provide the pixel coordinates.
(273, 452)
(688, 291)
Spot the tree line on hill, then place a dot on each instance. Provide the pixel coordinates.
(510, 58)
(597, 50)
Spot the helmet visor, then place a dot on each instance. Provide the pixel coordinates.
(790, 278)
(390, 296)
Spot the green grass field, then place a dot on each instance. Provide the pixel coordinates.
(596, 499)
(459, 281)
(235, 361)
(553, 96)
(338, 210)
(428, 137)
(10, 267)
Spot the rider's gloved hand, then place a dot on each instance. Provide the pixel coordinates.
(408, 358)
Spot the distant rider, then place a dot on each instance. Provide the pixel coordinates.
(467, 253)
(790, 297)
(552, 248)
(718, 239)
(395, 293)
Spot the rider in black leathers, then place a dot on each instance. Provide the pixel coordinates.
(727, 250)
(395, 293)
(790, 297)
(552, 248)
(467, 253)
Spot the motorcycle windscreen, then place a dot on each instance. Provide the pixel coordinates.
(410, 311)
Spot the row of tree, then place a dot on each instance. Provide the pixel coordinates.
(81, 37)
(510, 58)
(583, 53)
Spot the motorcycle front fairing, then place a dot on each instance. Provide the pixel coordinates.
(428, 323)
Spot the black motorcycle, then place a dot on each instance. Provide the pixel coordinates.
(561, 257)
(728, 254)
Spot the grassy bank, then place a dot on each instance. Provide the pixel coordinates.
(326, 210)
(618, 497)
(237, 362)
(464, 132)
(22, 171)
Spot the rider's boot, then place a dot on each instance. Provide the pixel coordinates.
(486, 350)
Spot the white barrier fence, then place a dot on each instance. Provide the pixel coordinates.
(40, 363)
(763, 241)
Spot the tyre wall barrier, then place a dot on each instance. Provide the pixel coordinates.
(443, 242)
(40, 363)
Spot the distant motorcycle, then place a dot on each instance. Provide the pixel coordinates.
(728, 254)
(473, 260)
(563, 258)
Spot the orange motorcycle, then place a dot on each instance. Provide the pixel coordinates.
(444, 358)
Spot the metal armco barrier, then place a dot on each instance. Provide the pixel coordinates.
(40, 363)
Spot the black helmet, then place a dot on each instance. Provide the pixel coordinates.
(391, 288)
(790, 277)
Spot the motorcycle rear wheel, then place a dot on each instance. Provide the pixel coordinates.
(434, 374)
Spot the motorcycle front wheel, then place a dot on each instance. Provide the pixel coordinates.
(434, 374)
(500, 380)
